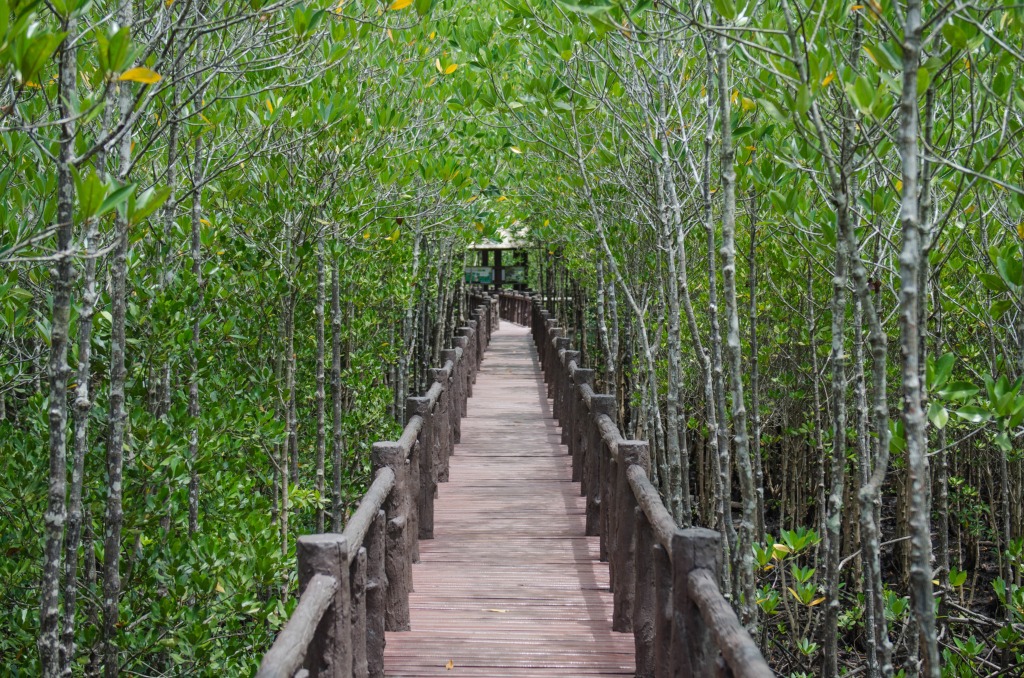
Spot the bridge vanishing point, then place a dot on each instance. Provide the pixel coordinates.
(495, 542)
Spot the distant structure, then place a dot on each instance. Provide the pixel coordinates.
(499, 264)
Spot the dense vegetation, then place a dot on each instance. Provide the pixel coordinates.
(788, 233)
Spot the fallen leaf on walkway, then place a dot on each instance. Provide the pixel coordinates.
(499, 611)
(450, 665)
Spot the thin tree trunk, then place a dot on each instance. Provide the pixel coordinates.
(741, 441)
(62, 276)
(82, 409)
(118, 414)
(321, 418)
(833, 523)
(338, 446)
(755, 374)
(911, 260)
(196, 344)
(721, 447)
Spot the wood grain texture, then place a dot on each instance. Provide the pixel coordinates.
(510, 586)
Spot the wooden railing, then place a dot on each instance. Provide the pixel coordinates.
(665, 580)
(354, 586)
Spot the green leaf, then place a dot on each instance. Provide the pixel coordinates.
(1003, 442)
(33, 56)
(144, 205)
(91, 192)
(1010, 270)
(924, 79)
(973, 414)
(726, 8)
(938, 415)
(803, 99)
(958, 390)
(861, 94)
(993, 283)
(640, 6)
(589, 7)
(954, 36)
(116, 198)
(939, 372)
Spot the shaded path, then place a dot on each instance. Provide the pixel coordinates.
(510, 586)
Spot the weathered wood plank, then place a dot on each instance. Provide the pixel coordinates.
(510, 586)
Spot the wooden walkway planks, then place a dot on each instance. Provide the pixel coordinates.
(510, 586)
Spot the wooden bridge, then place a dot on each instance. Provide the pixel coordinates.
(494, 542)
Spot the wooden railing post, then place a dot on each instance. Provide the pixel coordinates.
(580, 423)
(461, 343)
(376, 596)
(330, 652)
(397, 554)
(424, 470)
(568, 394)
(663, 612)
(600, 404)
(453, 409)
(623, 549)
(441, 415)
(645, 606)
(358, 630)
(693, 649)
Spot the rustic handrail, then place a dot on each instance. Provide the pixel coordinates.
(289, 649)
(355, 586)
(664, 579)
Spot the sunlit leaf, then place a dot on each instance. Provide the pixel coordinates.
(141, 74)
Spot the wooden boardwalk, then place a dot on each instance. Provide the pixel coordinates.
(510, 586)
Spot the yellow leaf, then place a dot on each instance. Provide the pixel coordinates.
(431, 81)
(935, 582)
(219, 588)
(366, 236)
(399, 4)
(735, 96)
(433, 34)
(391, 37)
(751, 148)
(795, 594)
(270, 106)
(816, 601)
(871, 56)
(703, 91)
(747, 104)
(472, 199)
(899, 186)
(828, 79)
(547, 222)
(394, 236)
(1020, 230)
(450, 664)
(502, 198)
(204, 222)
(515, 149)
(854, 8)
(450, 69)
(498, 611)
(168, 3)
(437, 65)
(141, 74)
